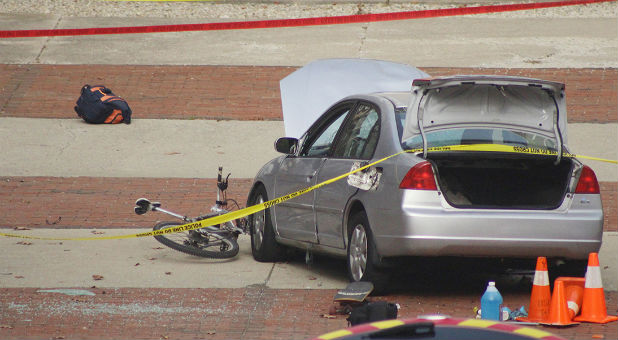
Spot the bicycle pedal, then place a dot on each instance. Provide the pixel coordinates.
(142, 206)
(140, 210)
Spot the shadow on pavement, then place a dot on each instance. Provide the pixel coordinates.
(436, 275)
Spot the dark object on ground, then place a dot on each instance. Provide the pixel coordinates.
(99, 105)
(373, 311)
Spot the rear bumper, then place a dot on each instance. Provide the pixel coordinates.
(572, 231)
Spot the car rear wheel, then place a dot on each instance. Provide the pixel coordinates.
(264, 246)
(362, 257)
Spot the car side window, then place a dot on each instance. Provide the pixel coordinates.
(323, 141)
(360, 135)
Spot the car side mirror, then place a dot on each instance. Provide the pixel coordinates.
(286, 145)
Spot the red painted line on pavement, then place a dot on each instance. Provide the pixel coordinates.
(335, 20)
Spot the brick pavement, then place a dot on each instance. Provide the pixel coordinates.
(254, 312)
(93, 202)
(241, 92)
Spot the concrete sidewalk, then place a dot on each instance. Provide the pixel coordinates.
(188, 148)
(467, 41)
(143, 262)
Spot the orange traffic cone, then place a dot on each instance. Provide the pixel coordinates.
(593, 307)
(574, 290)
(541, 295)
(559, 313)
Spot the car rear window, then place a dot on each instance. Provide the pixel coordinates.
(463, 136)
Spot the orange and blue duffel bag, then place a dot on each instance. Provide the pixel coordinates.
(99, 105)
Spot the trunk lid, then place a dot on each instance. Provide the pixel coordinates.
(477, 103)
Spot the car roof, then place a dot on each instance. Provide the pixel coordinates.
(399, 99)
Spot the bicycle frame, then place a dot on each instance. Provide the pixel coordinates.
(143, 205)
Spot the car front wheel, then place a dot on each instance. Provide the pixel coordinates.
(264, 246)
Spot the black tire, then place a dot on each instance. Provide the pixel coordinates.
(193, 242)
(264, 246)
(362, 259)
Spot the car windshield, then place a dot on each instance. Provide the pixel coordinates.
(461, 136)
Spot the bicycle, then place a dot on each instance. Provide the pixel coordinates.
(216, 241)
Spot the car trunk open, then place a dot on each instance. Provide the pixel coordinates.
(482, 181)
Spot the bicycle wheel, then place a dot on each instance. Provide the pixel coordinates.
(217, 244)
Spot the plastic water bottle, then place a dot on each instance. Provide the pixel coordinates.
(491, 303)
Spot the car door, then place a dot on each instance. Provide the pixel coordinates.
(356, 142)
(295, 219)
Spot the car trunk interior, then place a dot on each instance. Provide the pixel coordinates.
(473, 180)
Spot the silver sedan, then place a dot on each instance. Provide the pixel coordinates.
(426, 203)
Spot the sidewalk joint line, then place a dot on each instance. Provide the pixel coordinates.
(260, 297)
(363, 37)
(270, 273)
(38, 57)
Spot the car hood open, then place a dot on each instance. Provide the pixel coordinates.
(311, 90)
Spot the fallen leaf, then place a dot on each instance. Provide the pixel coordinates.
(6, 326)
(18, 277)
(24, 243)
(328, 316)
(168, 273)
(97, 277)
(164, 337)
(158, 248)
(59, 337)
(211, 332)
(173, 153)
(137, 264)
(97, 232)
(152, 258)
(313, 278)
(21, 228)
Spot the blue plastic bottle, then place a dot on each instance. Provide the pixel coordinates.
(491, 302)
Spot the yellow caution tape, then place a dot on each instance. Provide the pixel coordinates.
(265, 205)
(212, 220)
(512, 149)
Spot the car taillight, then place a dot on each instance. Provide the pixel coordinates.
(587, 183)
(419, 177)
